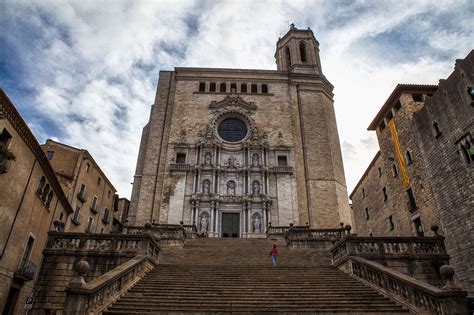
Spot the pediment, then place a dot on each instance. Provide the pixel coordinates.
(233, 101)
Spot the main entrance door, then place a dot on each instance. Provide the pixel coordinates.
(230, 225)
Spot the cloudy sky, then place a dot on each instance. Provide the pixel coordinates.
(85, 72)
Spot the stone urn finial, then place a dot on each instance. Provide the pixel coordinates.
(333, 240)
(291, 224)
(341, 224)
(181, 223)
(147, 225)
(435, 229)
(269, 224)
(82, 267)
(348, 228)
(447, 273)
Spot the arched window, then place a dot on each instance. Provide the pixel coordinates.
(303, 51)
(41, 184)
(243, 88)
(288, 56)
(49, 198)
(264, 88)
(45, 193)
(253, 88)
(233, 88)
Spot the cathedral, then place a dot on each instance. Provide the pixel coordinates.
(234, 151)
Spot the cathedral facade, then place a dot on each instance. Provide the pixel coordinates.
(234, 151)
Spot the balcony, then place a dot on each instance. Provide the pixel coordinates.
(180, 167)
(26, 272)
(82, 196)
(94, 209)
(76, 219)
(283, 169)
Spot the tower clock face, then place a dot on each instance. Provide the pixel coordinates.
(232, 130)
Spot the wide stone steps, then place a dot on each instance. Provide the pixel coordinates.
(235, 276)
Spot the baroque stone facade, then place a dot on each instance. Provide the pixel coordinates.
(423, 174)
(236, 150)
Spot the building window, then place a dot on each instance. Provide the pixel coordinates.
(223, 87)
(303, 52)
(380, 172)
(108, 195)
(385, 196)
(45, 192)
(466, 148)
(411, 200)
(397, 105)
(82, 193)
(264, 88)
(470, 91)
(288, 56)
(232, 130)
(417, 97)
(99, 180)
(41, 185)
(363, 193)
(381, 126)
(254, 88)
(49, 155)
(202, 86)
(243, 88)
(437, 132)
(394, 170)
(233, 88)
(25, 259)
(94, 204)
(418, 227)
(49, 198)
(390, 221)
(5, 153)
(282, 160)
(89, 225)
(88, 167)
(5, 137)
(180, 158)
(367, 213)
(212, 87)
(408, 156)
(105, 219)
(76, 219)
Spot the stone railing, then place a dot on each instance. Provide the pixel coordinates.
(102, 243)
(389, 247)
(95, 296)
(313, 238)
(419, 297)
(282, 169)
(180, 167)
(167, 235)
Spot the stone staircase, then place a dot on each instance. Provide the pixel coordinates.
(236, 276)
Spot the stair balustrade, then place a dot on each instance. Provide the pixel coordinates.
(95, 296)
(418, 296)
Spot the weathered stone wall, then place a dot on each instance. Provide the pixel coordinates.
(397, 206)
(449, 170)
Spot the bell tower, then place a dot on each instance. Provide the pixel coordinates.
(298, 51)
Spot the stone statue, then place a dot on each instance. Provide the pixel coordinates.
(207, 158)
(205, 187)
(255, 159)
(231, 188)
(255, 188)
(257, 224)
(204, 223)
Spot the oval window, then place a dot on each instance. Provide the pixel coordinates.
(232, 130)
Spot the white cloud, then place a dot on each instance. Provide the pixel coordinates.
(93, 67)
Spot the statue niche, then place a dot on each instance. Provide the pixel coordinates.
(206, 185)
(208, 158)
(231, 188)
(255, 160)
(257, 223)
(256, 187)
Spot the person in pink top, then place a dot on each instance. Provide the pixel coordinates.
(274, 254)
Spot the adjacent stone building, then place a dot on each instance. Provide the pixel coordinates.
(234, 150)
(31, 203)
(423, 173)
(445, 127)
(88, 190)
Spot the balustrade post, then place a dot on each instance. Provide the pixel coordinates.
(76, 303)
